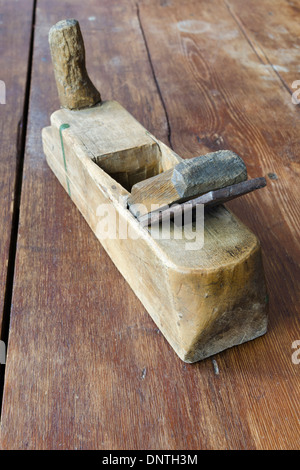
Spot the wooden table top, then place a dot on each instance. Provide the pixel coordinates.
(86, 366)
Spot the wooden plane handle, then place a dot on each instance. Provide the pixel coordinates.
(75, 89)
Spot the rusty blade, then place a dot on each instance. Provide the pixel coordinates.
(218, 196)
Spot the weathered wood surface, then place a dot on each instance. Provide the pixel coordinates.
(129, 156)
(187, 179)
(86, 366)
(273, 31)
(75, 89)
(15, 33)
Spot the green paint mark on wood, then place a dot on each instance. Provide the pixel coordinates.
(62, 127)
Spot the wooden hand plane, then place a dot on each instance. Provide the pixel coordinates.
(204, 297)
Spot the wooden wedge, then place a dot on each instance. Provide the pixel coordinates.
(190, 178)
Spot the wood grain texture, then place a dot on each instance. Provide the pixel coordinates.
(87, 368)
(15, 32)
(69, 374)
(230, 106)
(75, 89)
(273, 31)
(117, 143)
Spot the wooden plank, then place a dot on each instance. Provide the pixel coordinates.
(87, 368)
(78, 380)
(273, 30)
(15, 33)
(228, 105)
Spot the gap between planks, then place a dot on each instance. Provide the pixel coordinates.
(154, 76)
